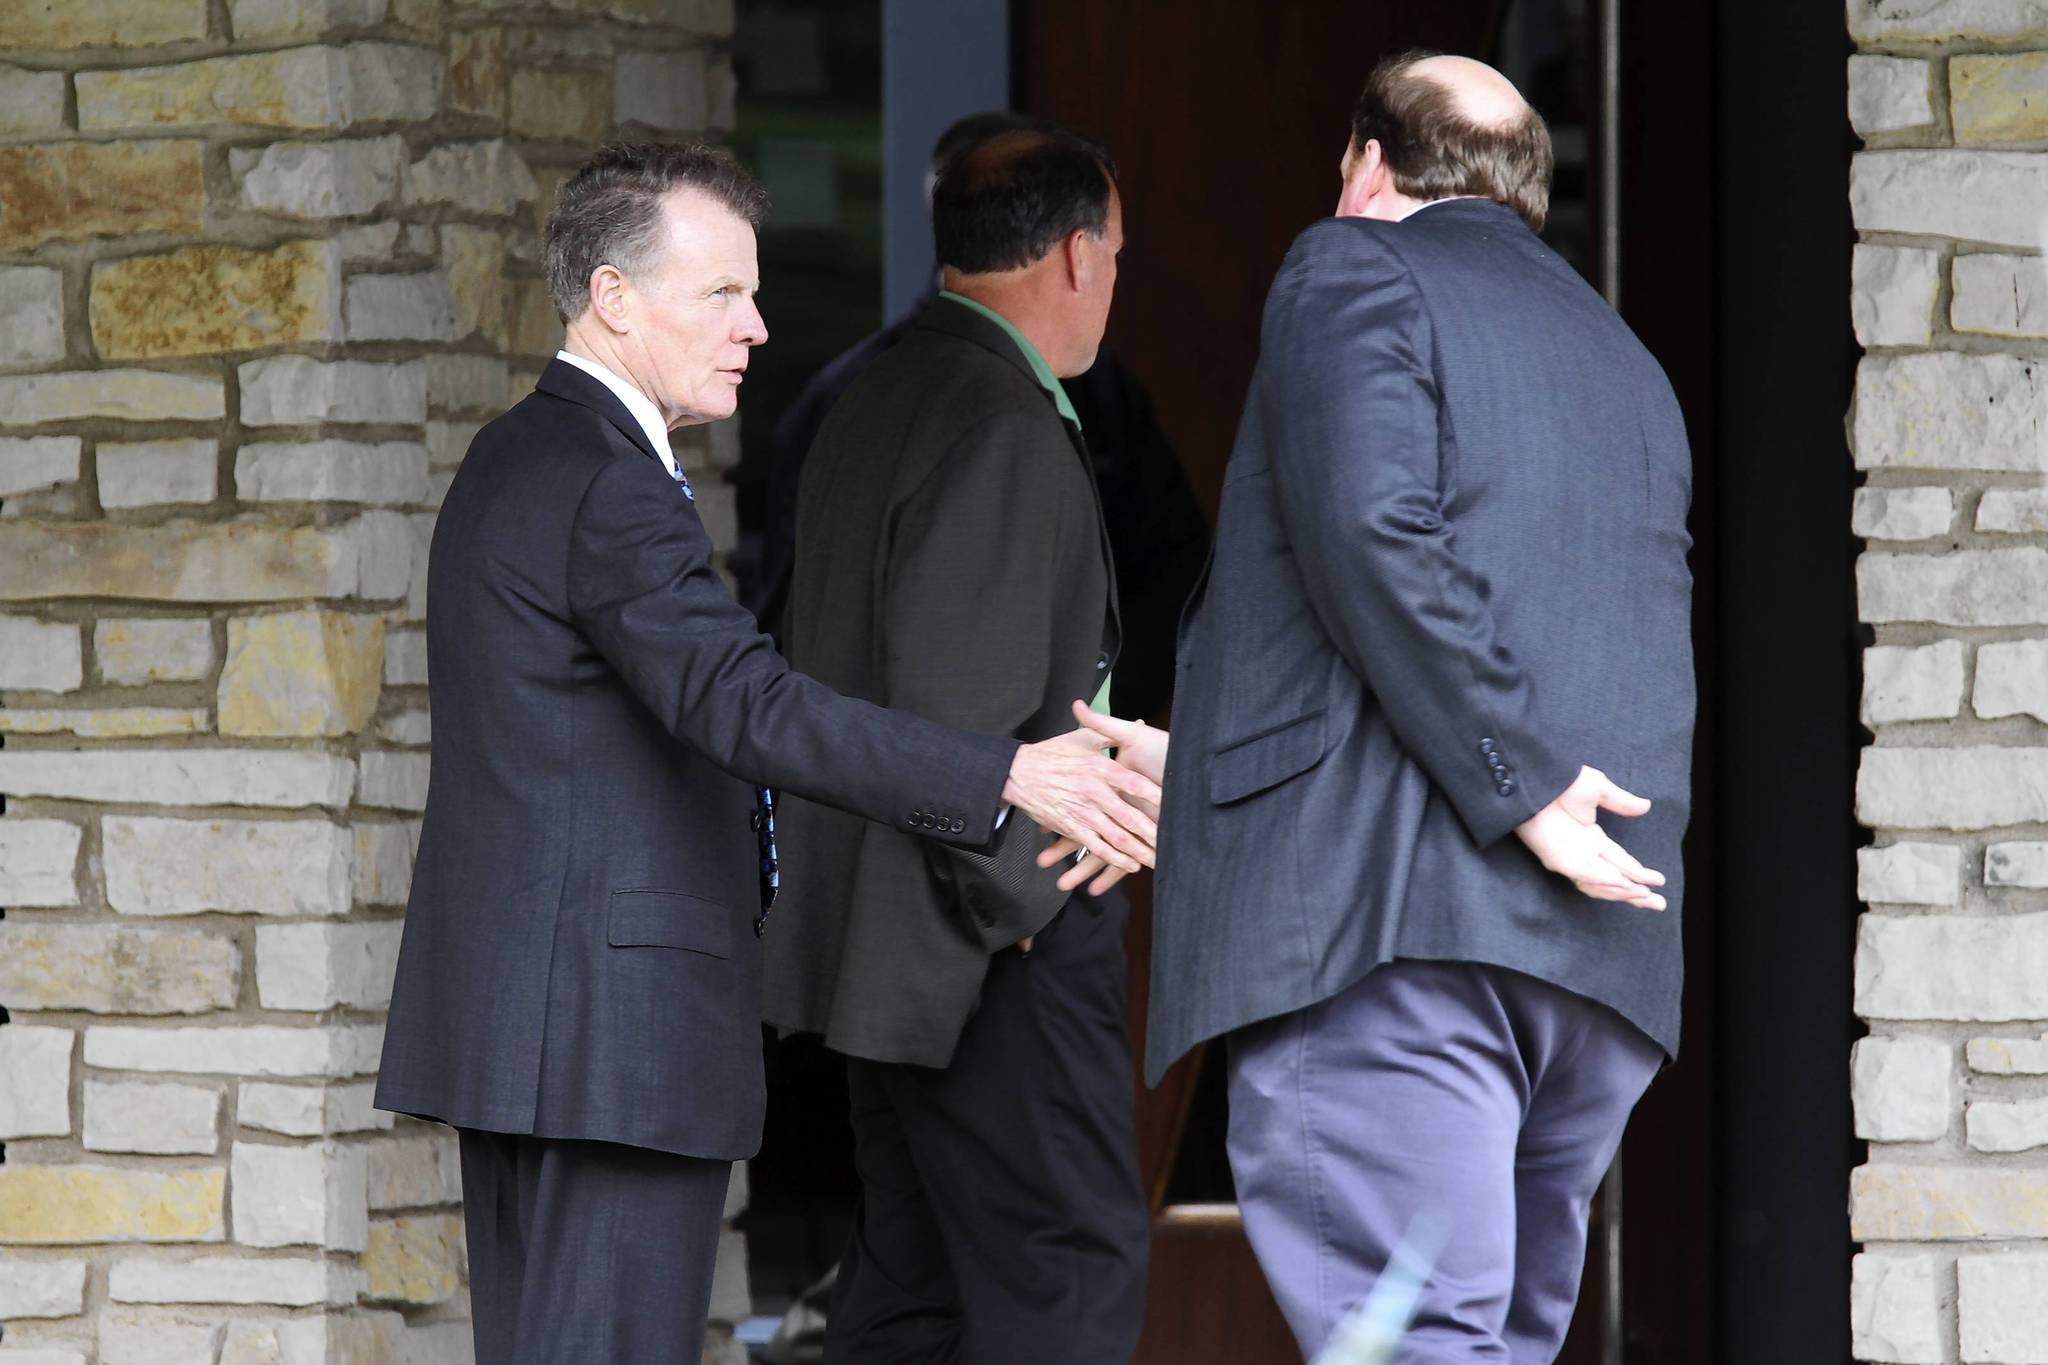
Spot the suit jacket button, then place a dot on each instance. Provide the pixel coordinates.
(1485, 746)
(1494, 762)
(1507, 789)
(959, 826)
(1101, 662)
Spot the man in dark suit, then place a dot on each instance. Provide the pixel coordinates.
(1158, 535)
(1449, 573)
(951, 560)
(578, 989)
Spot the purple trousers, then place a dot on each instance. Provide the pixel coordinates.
(1488, 1099)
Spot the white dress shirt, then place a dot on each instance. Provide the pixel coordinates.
(639, 404)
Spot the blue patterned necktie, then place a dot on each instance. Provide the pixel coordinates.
(763, 820)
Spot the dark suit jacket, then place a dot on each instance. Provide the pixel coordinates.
(579, 958)
(1158, 535)
(1449, 569)
(951, 561)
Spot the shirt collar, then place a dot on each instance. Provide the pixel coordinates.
(1046, 378)
(639, 404)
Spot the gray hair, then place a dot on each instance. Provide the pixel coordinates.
(609, 212)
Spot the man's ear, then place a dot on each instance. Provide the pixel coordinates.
(1074, 253)
(1367, 178)
(608, 298)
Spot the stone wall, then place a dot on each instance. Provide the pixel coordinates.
(264, 267)
(1950, 301)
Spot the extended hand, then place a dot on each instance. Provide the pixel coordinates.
(1141, 748)
(1068, 786)
(1566, 837)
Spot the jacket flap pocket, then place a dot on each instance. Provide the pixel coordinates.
(669, 919)
(1248, 766)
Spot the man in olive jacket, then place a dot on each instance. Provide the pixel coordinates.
(951, 561)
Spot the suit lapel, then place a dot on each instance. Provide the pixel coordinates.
(563, 380)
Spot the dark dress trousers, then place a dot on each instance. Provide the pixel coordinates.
(579, 963)
(951, 561)
(1449, 569)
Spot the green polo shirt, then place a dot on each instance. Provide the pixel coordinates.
(1051, 384)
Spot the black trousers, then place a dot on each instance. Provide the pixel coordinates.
(1001, 1219)
(588, 1253)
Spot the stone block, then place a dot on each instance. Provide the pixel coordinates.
(1952, 967)
(407, 727)
(2009, 1056)
(1959, 588)
(72, 191)
(481, 177)
(292, 390)
(1895, 1309)
(1993, 197)
(2021, 864)
(2013, 511)
(1998, 97)
(2002, 1308)
(124, 395)
(40, 656)
(664, 90)
(154, 473)
(416, 1260)
(206, 300)
(293, 1281)
(104, 722)
(41, 1355)
(38, 863)
(410, 307)
(382, 473)
(239, 561)
(1912, 682)
(1947, 410)
(1903, 513)
(1910, 874)
(139, 650)
(155, 1119)
(301, 674)
(331, 1339)
(31, 102)
(249, 867)
(324, 966)
(1895, 1202)
(1901, 1088)
(1999, 295)
(725, 95)
(393, 781)
(81, 1205)
(474, 261)
(383, 862)
(287, 20)
(131, 1336)
(367, 244)
(532, 328)
(2012, 680)
(296, 88)
(320, 179)
(1932, 21)
(116, 969)
(477, 384)
(414, 1172)
(405, 658)
(32, 301)
(449, 442)
(35, 1086)
(1889, 94)
(311, 1110)
(561, 105)
(337, 1050)
(32, 464)
(476, 72)
(181, 777)
(104, 23)
(38, 1288)
(732, 1299)
(300, 1195)
(1957, 789)
(2007, 1126)
(435, 1343)
(737, 1191)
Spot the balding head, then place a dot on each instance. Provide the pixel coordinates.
(1449, 126)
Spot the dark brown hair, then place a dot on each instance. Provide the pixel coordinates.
(1434, 151)
(609, 212)
(1006, 201)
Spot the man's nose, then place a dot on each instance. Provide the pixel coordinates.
(750, 329)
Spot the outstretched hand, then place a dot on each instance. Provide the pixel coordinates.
(1140, 748)
(1068, 786)
(1566, 837)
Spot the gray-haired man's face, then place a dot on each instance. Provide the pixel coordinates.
(694, 314)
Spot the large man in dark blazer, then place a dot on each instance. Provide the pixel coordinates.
(951, 560)
(578, 989)
(1449, 573)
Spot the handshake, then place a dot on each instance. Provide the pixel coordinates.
(1111, 816)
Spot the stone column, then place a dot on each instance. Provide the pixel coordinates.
(264, 267)
(1950, 301)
